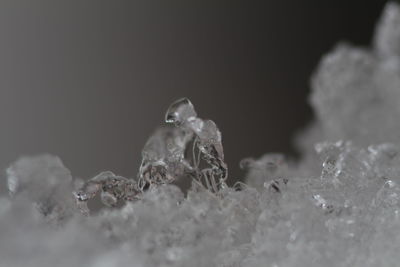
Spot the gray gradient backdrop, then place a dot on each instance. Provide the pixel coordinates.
(90, 80)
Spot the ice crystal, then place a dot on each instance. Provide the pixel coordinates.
(338, 206)
(180, 112)
(164, 160)
(113, 189)
(269, 168)
(207, 140)
(163, 156)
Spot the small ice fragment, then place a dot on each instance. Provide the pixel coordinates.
(329, 153)
(180, 111)
(263, 171)
(108, 199)
(207, 140)
(276, 185)
(210, 141)
(322, 203)
(113, 188)
(163, 156)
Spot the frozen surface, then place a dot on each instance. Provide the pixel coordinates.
(339, 206)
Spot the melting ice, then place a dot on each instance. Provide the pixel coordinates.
(338, 206)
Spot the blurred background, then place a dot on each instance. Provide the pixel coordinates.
(90, 80)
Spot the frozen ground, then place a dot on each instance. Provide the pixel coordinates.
(339, 206)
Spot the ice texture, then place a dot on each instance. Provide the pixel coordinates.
(207, 140)
(180, 111)
(269, 168)
(163, 156)
(339, 205)
(164, 160)
(112, 189)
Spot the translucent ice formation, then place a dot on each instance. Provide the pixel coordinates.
(164, 161)
(338, 206)
(180, 112)
(113, 189)
(269, 168)
(163, 156)
(207, 140)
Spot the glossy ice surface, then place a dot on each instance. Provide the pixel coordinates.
(338, 206)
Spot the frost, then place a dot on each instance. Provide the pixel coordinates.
(338, 206)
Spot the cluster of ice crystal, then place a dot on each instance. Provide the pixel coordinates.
(339, 206)
(207, 140)
(113, 188)
(164, 160)
(164, 155)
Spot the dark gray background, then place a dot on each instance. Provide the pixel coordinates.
(90, 80)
